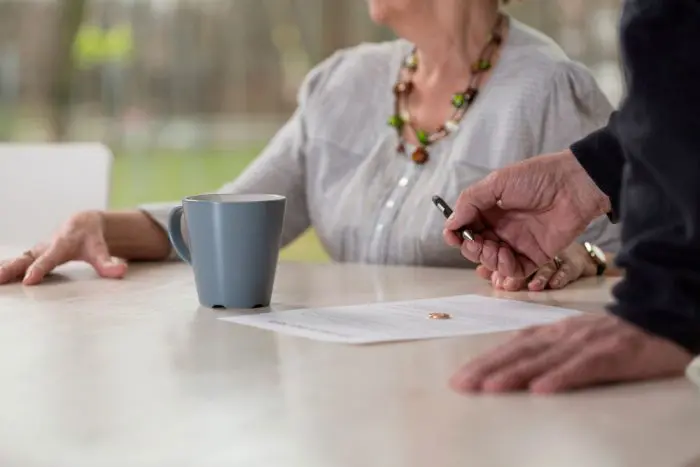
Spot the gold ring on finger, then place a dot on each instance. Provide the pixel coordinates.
(29, 255)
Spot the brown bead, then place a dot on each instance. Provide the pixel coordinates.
(401, 148)
(496, 38)
(403, 87)
(471, 94)
(420, 155)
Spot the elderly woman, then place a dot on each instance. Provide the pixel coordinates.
(379, 129)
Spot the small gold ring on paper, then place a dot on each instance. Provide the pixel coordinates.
(439, 316)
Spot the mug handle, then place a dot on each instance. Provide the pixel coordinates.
(175, 234)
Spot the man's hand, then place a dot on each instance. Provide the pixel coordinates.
(526, 213)
(573, 353)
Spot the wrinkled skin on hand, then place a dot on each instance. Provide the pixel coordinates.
(526, 213)
(574, 353)
(81, 238)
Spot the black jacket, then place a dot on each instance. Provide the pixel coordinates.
(647, 160)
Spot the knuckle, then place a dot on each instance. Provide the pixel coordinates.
(597, 358)
(58, 246)
(461, 199)
(491, 178)
(79, 222)
(625, 340)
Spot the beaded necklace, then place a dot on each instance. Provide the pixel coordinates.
(461, 101)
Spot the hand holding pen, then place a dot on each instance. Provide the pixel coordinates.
(447, 212)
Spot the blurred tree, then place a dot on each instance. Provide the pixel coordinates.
(70, 16)
(287, 38)
(334, 24)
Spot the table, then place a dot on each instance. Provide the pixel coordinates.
(100, 373)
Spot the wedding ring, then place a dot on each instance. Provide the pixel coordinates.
(439, 316)
(558, 262)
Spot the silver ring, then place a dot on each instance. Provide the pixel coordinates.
(558, 262)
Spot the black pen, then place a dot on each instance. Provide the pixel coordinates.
(447, 212)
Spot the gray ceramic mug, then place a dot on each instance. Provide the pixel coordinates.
(234, 243)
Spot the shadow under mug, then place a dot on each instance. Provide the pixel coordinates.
(234, 243)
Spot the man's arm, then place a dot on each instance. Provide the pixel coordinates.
(659, 128)
(600, 154)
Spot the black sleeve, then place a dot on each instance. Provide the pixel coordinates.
(602, 158)
(659, 128)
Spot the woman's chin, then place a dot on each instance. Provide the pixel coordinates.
(378, 16)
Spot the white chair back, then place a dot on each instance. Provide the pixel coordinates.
(41, 185)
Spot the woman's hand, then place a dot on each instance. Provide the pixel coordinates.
(80, 239)
(574, 264)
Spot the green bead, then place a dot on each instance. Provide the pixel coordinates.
(423, 137)
(458, 101)
(484, 65)
(395, 121)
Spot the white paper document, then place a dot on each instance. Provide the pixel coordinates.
(406, 320)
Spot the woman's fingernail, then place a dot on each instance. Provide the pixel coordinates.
(509, 282)
(472, 246)
(555, 282)
(113, 261)
(452, 217)
(536, 283)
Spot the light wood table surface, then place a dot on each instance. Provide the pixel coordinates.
(132, 373)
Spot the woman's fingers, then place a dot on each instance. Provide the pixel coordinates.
(97, 255)
(13, 269)
(556, 274)
(55, 255)
(567, 273)
(542, 277)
